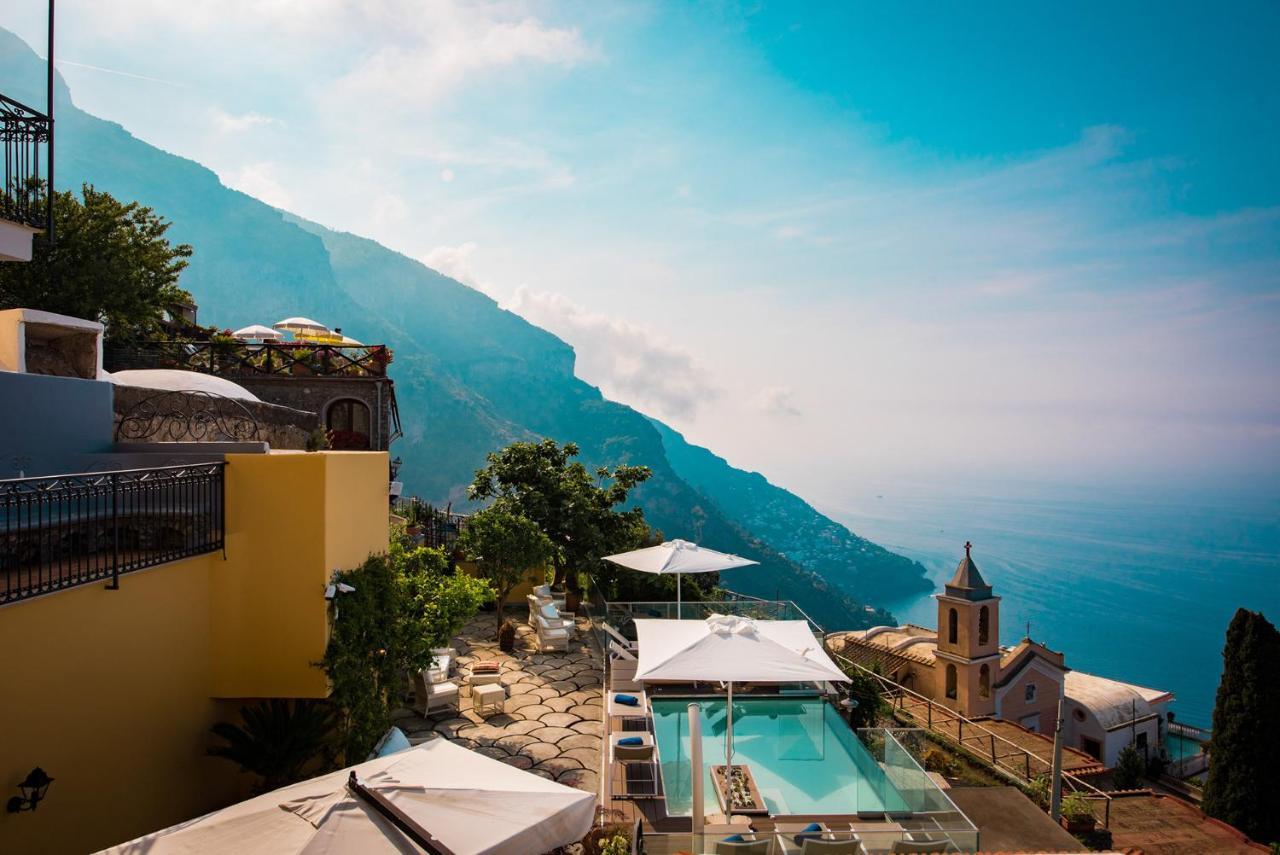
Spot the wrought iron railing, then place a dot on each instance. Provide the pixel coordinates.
(60, 531)
(24, 133)
(242, 359)
(437, 528)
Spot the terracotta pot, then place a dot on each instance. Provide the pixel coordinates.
(1079, 825)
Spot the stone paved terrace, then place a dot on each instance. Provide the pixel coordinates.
(553, 723)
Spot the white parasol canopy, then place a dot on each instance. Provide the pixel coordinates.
(678, 557)
(466, 802)
(730, 649)
(257, 332)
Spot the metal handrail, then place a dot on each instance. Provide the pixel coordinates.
(23, 195)
(246, 359)
(60, 531)
(951, 715)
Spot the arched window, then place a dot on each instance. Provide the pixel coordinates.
(953, 627)
(984, 625)
(1030, 693)
(984, 681)
(951, 680)
(348, 423)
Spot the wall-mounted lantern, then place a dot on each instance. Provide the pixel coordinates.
(33, 791)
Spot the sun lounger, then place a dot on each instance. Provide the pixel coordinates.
(617, 637)
(932, 845)
(638, 710)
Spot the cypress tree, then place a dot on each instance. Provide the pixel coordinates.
(1244, 751)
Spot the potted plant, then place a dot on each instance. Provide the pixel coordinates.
(507, 636)
(302, 360)
(1077, 815)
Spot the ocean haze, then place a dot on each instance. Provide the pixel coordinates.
(1133, 584)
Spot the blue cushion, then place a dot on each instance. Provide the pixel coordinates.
(392, 742)
(812, 831)
(631, 740)
(735, 838)
(626, 700)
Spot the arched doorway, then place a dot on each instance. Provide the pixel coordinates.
(347, 421)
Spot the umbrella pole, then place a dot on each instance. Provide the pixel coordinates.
(695, 766)
(679, 610)
(728, 758)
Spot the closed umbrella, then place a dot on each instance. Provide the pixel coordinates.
(437, 797)
(731, 649)
(678, 557)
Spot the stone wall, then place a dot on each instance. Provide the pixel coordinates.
(317, 394)
(280, 427)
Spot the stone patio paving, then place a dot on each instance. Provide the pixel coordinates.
(553, 724)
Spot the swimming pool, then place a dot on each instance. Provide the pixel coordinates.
(802, 755)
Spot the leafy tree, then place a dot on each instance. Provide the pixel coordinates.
(574, 507)
(110, 263)
(1244, 751)
(505, 547)
(864, 689)
(402, 605)
(1131, 769)
(276, 740)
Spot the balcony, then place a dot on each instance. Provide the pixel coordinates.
(62, 531)
(24, 206)
(242, 359)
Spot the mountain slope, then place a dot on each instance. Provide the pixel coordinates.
(792, 526)
(471, 377)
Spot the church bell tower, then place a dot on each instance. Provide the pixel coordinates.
(968, 653)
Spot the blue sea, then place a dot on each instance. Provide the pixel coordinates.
(1137, 585)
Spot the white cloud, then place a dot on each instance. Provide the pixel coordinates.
(230, 123)
(262, 181)
(458, 262)
(630, 363)
(776, 401)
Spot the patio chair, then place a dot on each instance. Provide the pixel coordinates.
(844, 846)
(431, 697)
(746, 846)
(548, 615)
(550, 637)
(544, 594)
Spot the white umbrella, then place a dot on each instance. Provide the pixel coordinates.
(257, 332)
(678, 557)
(437, 797)
(728, 648)
(302, 326)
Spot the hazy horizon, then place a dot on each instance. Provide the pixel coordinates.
(1026, 242)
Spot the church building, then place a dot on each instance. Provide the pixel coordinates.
(962, 666)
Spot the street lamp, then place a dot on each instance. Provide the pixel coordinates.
(33, 789)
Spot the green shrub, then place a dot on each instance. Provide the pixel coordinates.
(277, 740)
(1130, 770)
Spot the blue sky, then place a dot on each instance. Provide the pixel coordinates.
(1022, 239)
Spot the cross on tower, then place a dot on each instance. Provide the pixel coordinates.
(967, 547)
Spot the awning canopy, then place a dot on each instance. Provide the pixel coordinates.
(466, 801)
(732, 649)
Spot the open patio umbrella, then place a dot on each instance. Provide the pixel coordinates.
(302, 327)
(731, 649)
(678, 557)
(437, 797)
(257, 332)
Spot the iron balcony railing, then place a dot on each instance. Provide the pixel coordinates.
(24, 134)
(242, 359)
(60, 531)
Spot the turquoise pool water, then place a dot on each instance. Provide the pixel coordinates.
(803, 756)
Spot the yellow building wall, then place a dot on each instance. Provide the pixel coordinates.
(113, 692)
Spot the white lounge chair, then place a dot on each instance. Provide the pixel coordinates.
(639, 710)
(432, 697)
(442, 665)
(640, 767)
(617, 638)
(544, 594)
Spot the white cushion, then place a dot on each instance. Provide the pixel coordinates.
(542, 591)
(550, 612)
